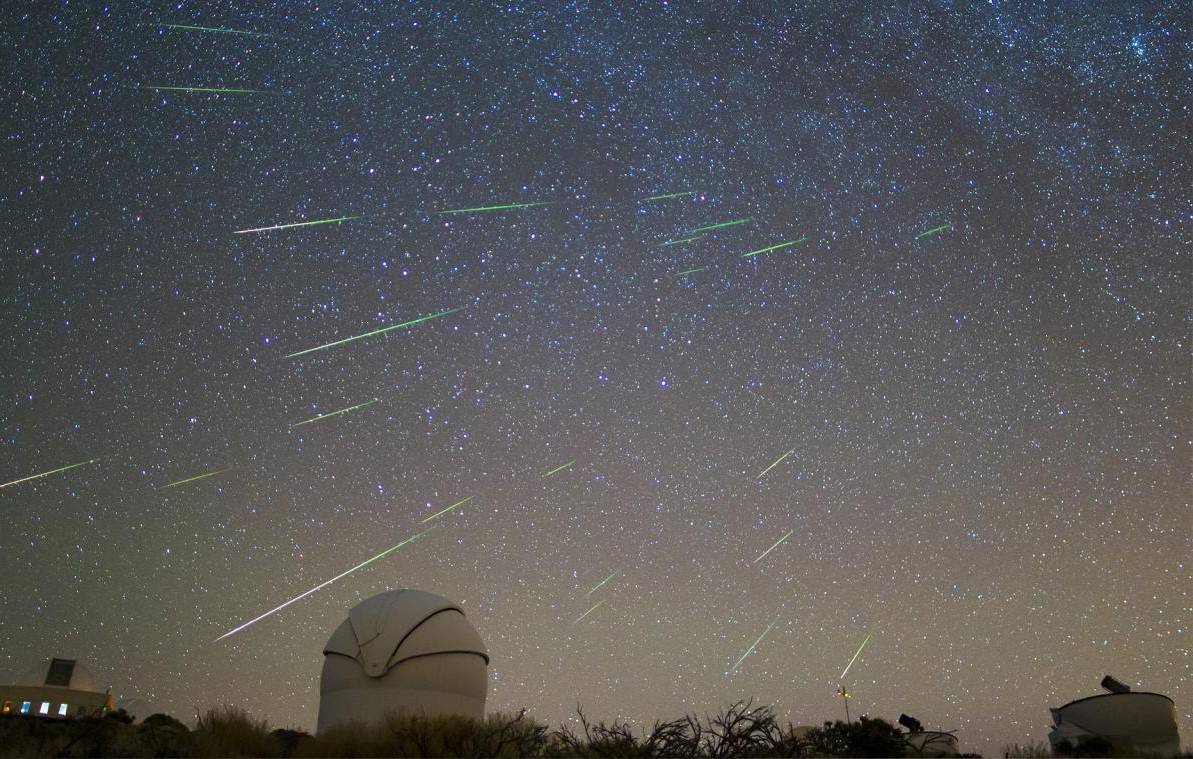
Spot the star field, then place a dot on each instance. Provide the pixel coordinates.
(987, 427)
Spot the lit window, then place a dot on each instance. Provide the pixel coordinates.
(25, 707)
(45, 707)
(6, 708)
(61, 710)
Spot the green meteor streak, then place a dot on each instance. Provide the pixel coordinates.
(197, 477)
(776, 545)
(859, 652)
(680, 242)
(934, 230)
(505, 207)
(751, 648)
(365, 563)
(233, 90)
(188, 28)
(671, 195)
(335, 413)
(602, 582)
(777, 462)
(449, 508)
(760, 251)
(559, 468)
(381, 331)
(599, 604)
(691, 271)
(722, 225)
(47, 474)
(316, 222)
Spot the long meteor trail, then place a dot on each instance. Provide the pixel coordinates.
(859, 653)
(506, 207)
(196, 477)
(365, 563)
(934, 230)
(314, 223)
(375, 332)
(455, 505)
(752, 647)
(597, 587)
(777, 462)
(776, 545)
(722, 225)
(560, 468)
(335, 413)
(671, 195)
(599, 604)
(188, 28)
(760, 251)
(47, 474)
(229, 90)
(691, 271)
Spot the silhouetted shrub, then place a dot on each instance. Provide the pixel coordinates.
(444, 736)
(866, 737)
(229, 731)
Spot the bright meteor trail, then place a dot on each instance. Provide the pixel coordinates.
(751, 648)
(691, 271)
(777, 462)
(859, 652)
(776, 545)
(365, 563)
(457, 504)
(599, 604)
(760, 251)
(335, 413)
(597, 587)
(187, 28)
(47, 474)
(381, 331)
(560, 468)
(232, 90)
(722, 225)
(934, 230)
(506, 207)
(197, 477)
(671, 195)
(316, 222)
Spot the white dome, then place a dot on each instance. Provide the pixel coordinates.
(403, 651)
(61, 673)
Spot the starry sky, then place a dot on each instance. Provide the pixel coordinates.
(984, 431)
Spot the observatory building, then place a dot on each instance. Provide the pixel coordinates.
(402, 652)
(1134, 723)
(55, 688)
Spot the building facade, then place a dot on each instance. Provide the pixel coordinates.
(55, 689)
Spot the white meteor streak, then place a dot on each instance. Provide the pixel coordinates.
(859, 652)
(752, 647)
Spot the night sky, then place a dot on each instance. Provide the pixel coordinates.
(984, 431)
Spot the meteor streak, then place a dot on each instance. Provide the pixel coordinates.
(381, 331)
(335, 413)
(187, 28)
(597, 587)
(681, 242)
(722, 225)
(506, 207)
(777, 462)
(599, 604)
(691, 271)
(671, 195)
(760, 251)
(47, 474)
(559, 468)
(751, 648)
(776, 545)
(365, 563)
(449, 508)
(934, 230)
(859, 651)
(232, 90)
(197, 477)
(316, 222)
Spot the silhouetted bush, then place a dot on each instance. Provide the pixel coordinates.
(445, 736)
(229, 731)
(1037, 750)
(866, 737)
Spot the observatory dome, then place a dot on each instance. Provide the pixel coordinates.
(402, 652)
(60, 673)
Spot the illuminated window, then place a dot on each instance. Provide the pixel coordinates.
(25, 707)
(45, 707)
(6, 708)
(61, 710)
